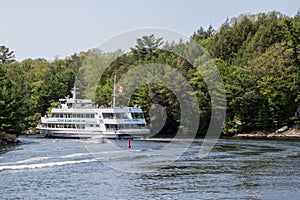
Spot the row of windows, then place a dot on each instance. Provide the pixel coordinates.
(107, 126)
(122, 115)
(74, 115)
(115, 115)
(92, 115)
(124, 126)
(73, 126)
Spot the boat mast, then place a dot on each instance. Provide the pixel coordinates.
(114, 95)
(74, 93)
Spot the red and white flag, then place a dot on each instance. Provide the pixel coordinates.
(238, 122)
(120, 89)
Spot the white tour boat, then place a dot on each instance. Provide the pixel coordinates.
(79, 118)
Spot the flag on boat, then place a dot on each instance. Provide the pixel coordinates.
(238, 122)
(120, 89)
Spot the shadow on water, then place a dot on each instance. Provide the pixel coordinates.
(4, 148)
(234, 169)
(248, 149)
(7, 147)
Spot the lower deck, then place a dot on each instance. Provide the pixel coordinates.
(84, 133)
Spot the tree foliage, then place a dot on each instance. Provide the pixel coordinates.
(6, 56)
(257, 56)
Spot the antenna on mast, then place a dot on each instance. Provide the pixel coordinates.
(114, 95)
(73, 91)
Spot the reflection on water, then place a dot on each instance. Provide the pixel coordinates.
(235, 169)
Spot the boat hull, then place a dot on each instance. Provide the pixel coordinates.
(85, 134)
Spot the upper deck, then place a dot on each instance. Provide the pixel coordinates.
(82, 105)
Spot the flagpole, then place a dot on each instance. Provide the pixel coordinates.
(235, 129)
(114, 95)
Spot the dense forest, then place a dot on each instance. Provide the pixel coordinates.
(258, 57)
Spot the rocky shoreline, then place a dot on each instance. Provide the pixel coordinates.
(290, 133)
(6, 138)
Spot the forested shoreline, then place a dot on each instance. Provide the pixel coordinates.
(256, 55)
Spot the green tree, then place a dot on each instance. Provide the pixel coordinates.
(277, 82)
(146, 46)
(6, 56)
(292, 37)
(201, 34)
(148, 43)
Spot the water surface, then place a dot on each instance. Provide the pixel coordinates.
(67, 169)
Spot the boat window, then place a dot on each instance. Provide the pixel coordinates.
(111, 126)
(107, 115)
(122, 115)
(80, 126)
(133, 116)
(137, 115)
(140, 125)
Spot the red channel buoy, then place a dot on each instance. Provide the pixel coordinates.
(129, 146)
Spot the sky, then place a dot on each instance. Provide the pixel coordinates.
(59, 28)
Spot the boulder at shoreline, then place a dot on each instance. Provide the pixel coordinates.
(6, 138)
(290, 133)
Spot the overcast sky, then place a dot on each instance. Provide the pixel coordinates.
(50, 28)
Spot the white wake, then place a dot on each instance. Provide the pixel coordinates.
(41, 165)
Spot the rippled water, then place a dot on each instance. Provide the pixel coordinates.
(72, 169)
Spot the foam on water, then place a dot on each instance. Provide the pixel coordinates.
(75, 155)
(41, 165)
(32, 160)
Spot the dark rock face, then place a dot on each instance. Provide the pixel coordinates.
(6, 138)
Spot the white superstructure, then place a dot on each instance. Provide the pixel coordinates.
(78, 118)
